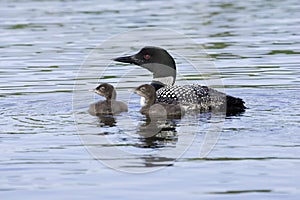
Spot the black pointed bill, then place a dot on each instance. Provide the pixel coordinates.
(124, 59)
(127, 59)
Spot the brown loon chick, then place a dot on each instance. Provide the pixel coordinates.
(109, 106)
(157, 109)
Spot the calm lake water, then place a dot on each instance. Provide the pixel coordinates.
(52, 149)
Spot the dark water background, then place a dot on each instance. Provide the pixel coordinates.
(255, 46)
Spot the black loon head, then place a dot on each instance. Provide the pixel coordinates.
(106, 90)
(156, 60)
(148, 92)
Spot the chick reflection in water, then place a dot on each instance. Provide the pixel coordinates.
(158, 132)
(104, 109)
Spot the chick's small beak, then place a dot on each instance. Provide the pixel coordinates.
(138, 92)
(132, 90)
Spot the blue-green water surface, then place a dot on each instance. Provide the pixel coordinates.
(255, 46)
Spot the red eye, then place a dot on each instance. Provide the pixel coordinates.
(147, 56)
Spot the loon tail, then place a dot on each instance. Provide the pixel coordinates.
(234, 105)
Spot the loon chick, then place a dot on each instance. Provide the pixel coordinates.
(109, 106)
(162, 65)
(157, 109)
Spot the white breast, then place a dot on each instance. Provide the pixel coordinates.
(143, 101)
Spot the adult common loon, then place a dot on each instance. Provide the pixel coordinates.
(109, 106)
(163, 67)
(169, 110)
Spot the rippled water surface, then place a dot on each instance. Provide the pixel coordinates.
(52, 148)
